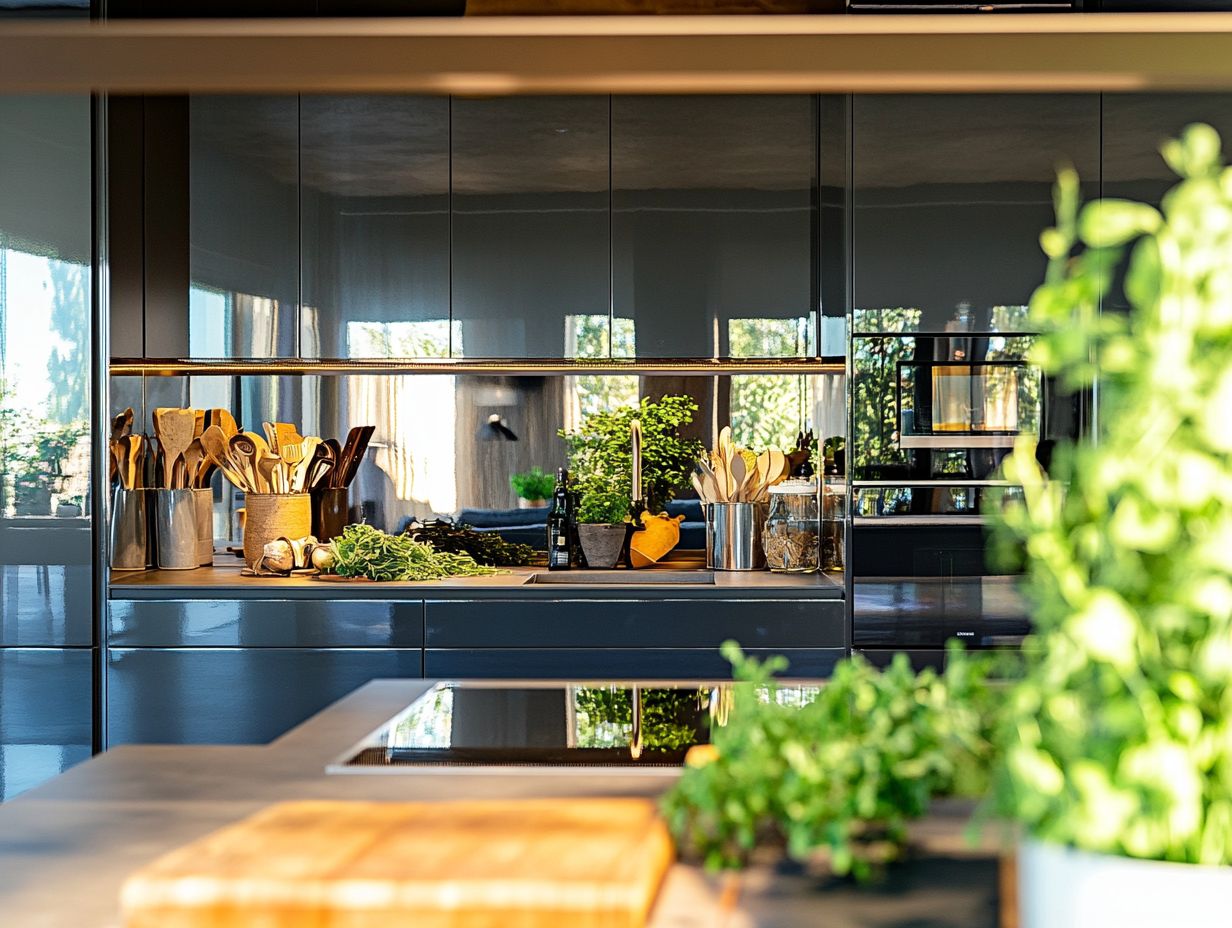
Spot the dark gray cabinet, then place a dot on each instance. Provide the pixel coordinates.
(46, 715)
(374, 205)
(713, 210)
(234, 695)
(243, 227)
(530, 226)
(626, 639)
(950, 194)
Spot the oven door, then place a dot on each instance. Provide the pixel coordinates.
(932, 419)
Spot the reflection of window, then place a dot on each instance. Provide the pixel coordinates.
(44, 388)
(589, 336)
(430, 338)
(429, 724)
(768, 410)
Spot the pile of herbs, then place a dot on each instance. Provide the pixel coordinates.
(486, 548)
(364, 551)
(842, 770)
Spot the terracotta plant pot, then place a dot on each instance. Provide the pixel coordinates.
(602, 543)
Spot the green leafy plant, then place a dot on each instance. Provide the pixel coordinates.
(1119, 738)
(600, 505)
(364, 551)
(601, 457)
(842, 767)
(533, 484)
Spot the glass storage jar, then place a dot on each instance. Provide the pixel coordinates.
(793, 528)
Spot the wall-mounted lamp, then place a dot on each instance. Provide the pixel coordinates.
(495, 429)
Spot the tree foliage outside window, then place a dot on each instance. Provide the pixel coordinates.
(768, 410)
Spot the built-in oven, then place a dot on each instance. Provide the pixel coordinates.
(932, 418)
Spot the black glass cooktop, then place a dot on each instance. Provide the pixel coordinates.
(469, 726)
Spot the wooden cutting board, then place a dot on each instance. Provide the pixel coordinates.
(508, 864)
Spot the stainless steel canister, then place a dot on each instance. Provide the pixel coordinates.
(204, 500)
(175, 521)
(733, 536)
(129, 530)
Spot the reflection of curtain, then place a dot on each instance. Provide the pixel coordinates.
(829, 405)
(412, 444)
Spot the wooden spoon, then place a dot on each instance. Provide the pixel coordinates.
(244, 453)
(134, 454)
(269, 468)
(192, 462)
(736, 474)
(218, 452)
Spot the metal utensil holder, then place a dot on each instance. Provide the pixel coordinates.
(175, 521)
(733, 536)
(204, 501)
(130, 530)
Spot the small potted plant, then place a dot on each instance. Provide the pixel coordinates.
(533, 488)
(1116, 746)
(601, 525)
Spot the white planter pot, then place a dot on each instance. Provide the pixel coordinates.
(1059, 887)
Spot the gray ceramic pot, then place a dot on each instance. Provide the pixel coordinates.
(602, 543)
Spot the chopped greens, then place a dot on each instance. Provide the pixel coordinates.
(364, 551)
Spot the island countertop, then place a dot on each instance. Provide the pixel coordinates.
(67, 846)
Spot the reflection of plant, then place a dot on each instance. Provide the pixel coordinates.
(605, 717)
(601, 455)
(1119, 740)
(767, 410)
(845, 772)
(874, 390)
(533, 484)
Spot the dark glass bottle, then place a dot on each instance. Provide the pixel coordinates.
(560, 547)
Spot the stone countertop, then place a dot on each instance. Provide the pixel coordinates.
(224, 580)
(66, 846)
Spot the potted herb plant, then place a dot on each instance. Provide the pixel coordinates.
(533, 488)
(602, 513)
(1116, 746)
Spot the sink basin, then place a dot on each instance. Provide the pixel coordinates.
(625, 577)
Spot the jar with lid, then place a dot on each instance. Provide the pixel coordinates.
(793, 528)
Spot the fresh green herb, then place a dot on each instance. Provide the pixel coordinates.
(485, 547)
(601, 456)
(1119, 739)
(364, 551)
(842, 767)
(603, 506)
(533, 484)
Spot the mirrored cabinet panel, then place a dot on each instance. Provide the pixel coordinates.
(530, 227)
(374, 202)
(712, 225)
(243, 222)
(950, 195)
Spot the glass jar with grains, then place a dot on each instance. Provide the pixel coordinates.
(792, 531)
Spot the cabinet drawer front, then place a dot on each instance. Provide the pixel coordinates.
(46, 723)
(619, 623)
(583, 664)
(234, 695)
(265, 623)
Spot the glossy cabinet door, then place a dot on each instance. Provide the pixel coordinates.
(243, 225)
(950, 194)
(234, 695)
(713, 208)
(530, 227)
(46, 715)
(374, 201)
(46, 550)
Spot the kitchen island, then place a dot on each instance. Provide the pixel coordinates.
(66, 847)
(207, 656)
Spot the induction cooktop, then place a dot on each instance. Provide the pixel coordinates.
(484, 726)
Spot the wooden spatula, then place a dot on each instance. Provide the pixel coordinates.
(225, 422)
(193, 455)
(175, 429)
(218, 452)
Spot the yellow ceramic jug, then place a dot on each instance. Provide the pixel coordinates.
(660, 535)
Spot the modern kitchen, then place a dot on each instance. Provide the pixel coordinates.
(502, 469)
